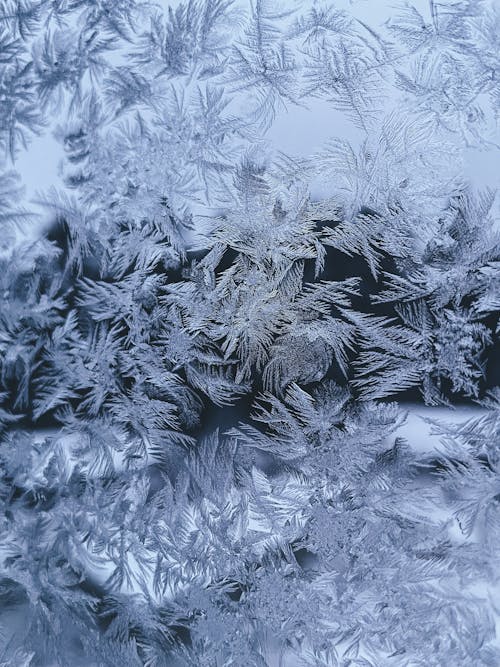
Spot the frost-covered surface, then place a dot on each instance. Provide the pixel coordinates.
(237, 239)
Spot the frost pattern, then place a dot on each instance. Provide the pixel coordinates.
(200, 335)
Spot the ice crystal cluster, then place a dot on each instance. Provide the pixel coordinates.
(209, 339)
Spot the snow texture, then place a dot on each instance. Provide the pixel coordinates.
(249, 333)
